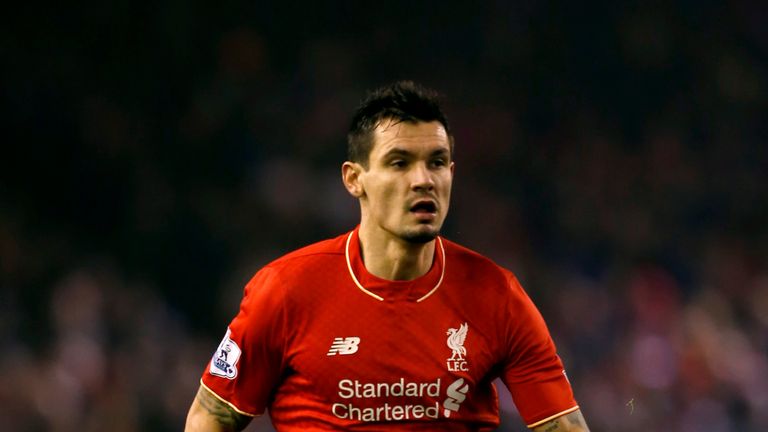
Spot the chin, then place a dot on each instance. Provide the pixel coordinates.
(420, 236)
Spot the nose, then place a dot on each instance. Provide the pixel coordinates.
(421, 178)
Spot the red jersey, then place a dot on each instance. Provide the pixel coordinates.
(325, 345)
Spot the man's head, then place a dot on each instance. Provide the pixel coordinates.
(402, 101)
(400, 163)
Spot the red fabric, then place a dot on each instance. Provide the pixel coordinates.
(402, 370)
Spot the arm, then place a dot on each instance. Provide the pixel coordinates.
(209, 414)
(571, 422)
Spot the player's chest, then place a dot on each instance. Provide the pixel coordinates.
(363, 351)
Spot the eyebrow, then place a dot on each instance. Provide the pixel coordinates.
(402, 152)
(440, 152)
(397, 152)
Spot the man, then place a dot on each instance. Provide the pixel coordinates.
(389, 326)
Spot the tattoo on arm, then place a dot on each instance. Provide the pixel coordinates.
(222, 413)
(573, 422)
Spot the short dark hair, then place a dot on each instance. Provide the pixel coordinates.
(402, 101)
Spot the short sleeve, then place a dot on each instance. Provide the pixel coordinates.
(246, 366)
(533, 372)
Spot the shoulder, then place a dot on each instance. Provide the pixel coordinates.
(302, 263)
(467, 262)
(320, 251)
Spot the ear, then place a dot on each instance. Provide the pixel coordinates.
(350, 175)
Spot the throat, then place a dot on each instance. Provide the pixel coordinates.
(404, 267)
(397, 260)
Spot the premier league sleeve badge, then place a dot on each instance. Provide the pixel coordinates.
(224, 361)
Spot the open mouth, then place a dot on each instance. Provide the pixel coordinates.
(424, 207)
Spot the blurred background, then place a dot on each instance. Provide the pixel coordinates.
(154, 156)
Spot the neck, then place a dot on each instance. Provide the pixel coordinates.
(392, 258)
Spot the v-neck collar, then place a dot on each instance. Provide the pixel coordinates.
(416, 290)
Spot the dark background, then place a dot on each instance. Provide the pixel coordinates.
(154, 156)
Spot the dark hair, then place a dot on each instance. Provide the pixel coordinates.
(402, 101)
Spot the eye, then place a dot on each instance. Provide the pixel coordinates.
(439, 163)
(397, 163)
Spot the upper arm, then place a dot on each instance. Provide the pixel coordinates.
(208, 413)
(246, 367)
(571, 422)
(531, 369)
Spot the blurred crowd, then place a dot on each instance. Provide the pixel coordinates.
(613, 157)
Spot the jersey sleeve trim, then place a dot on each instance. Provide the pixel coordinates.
(552, 417)
(236, 409)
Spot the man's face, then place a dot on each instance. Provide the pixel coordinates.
(406, 189)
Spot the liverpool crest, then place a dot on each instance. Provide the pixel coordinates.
(455, 342)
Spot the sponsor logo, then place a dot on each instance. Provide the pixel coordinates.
(349, 389)
(397, 400)
(224, 361)
(385, 412)
(344, 346)
(457, 392)
(387, 398)
(455, 342)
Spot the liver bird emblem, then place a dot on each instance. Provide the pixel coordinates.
(456, 341)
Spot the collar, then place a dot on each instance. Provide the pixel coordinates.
(412, 290)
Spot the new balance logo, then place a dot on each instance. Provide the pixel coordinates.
(344, 346)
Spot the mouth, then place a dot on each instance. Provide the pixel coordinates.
(424, 207)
